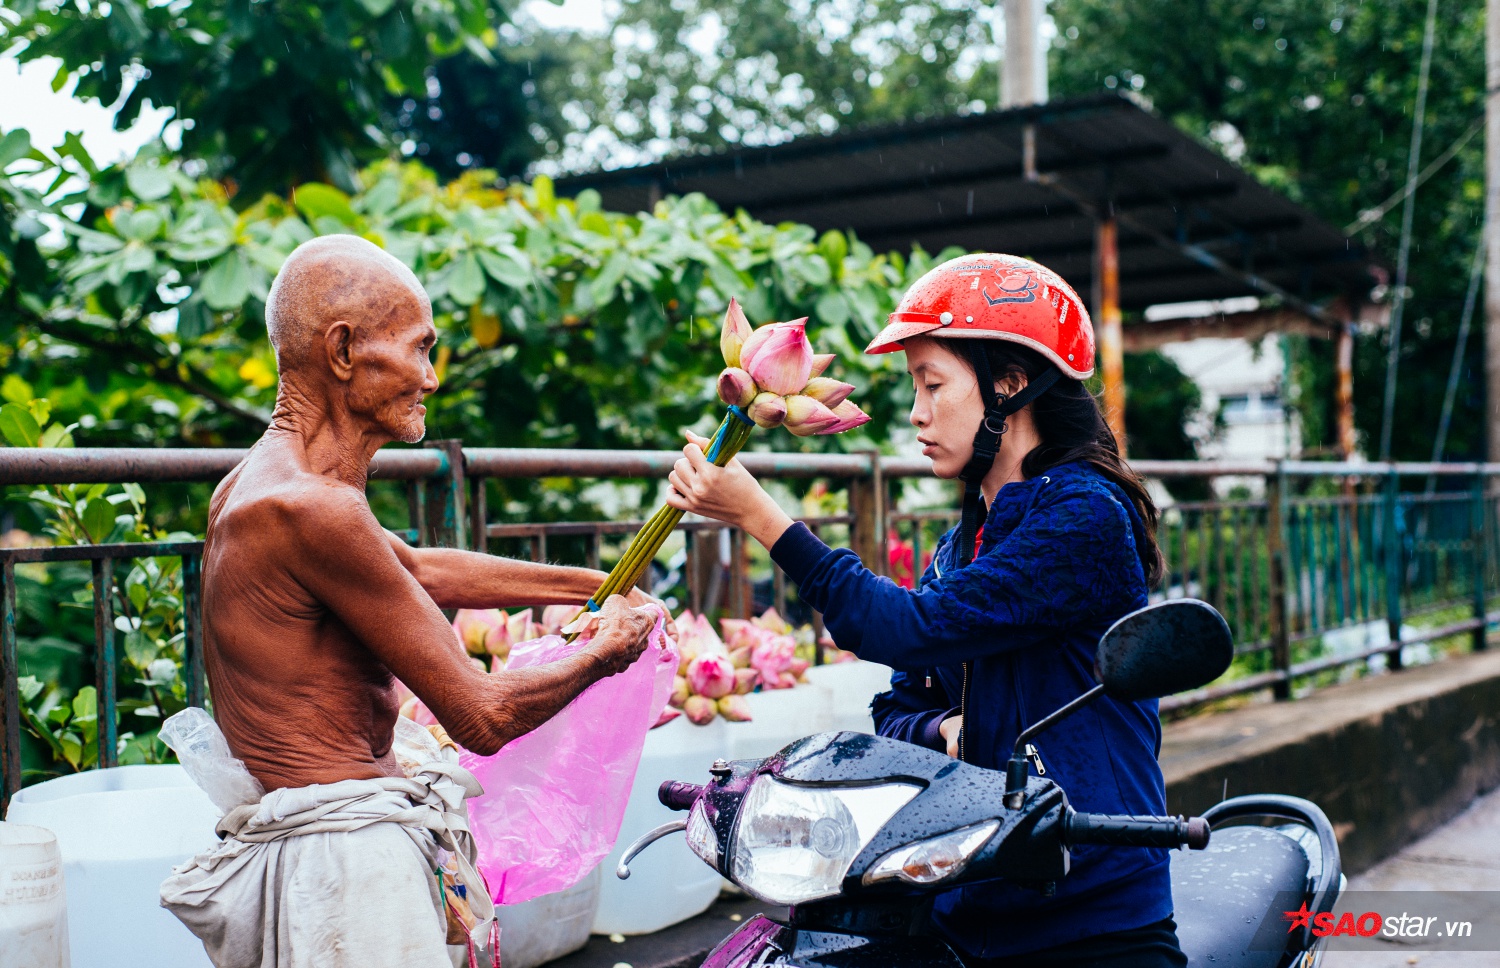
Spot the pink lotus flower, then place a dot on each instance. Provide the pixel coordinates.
(779, 357)
(767, 410)
(521, 627)
(806, 416)
(820, 363)
(695, 635)
(483, 631)
(711, 675)
(798, 667)
(554, 617)
(738, 633)
(700, 710)
(740, 657)
(667, 715)
(773, 657)
(771, 620)
(735, 387)
(735, 709)
(849, 416)
(827, 391)
(734, 334)
(744, 681)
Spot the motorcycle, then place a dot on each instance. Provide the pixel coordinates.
(850, 831)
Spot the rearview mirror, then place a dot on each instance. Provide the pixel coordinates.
(1163, 649)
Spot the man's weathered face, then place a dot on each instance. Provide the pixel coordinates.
(392, 371)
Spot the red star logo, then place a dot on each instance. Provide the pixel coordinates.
(1299, 918)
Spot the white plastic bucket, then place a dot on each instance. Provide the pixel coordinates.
(33, 903)
(851, 686)
(536, 931)
(668, 883)
(120, 832)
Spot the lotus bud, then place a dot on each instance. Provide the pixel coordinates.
(829, 392)
(521, 627)
(820, 363)
(736, 388)
(798, 667)
(482, 631)
(767, 410)
(771, 619)
(700, 710)
(711, 675)
(736, 331)
(849, 416)
(680, 692)
(735, 709)
(667, 715)
(554, 617)
(740, 657)
(780, 362)
(497, 663)
(744, 681)
(806, 416)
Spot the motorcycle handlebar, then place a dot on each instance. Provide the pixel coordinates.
(677, 795)
(1100, 828)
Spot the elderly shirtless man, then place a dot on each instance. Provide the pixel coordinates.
(312, 610)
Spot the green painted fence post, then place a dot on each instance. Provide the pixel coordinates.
(1393, 569)
(1278, 573)
(447, 522)
(1478, 544)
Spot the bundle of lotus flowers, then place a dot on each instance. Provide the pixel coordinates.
(771, 378)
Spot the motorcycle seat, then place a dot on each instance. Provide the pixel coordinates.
(1224, 893)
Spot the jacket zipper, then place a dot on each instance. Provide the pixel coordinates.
(963, 721)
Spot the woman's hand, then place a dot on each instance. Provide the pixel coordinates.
(727, 494)
(948, 729)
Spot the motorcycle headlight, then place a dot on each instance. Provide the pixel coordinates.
(795, 843)
(931, 860)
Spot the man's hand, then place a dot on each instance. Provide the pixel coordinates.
(621, 632)
(635, 598)
(949, 729)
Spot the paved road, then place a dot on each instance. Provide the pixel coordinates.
(1462, 855)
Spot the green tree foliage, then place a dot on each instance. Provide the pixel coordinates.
(696, 75)
(560, 323)
(1316, 99)
(274, 94)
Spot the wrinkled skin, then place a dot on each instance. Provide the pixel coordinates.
(311, 609)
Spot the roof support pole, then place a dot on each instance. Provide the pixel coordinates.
(1343, 392)
(1108, 326)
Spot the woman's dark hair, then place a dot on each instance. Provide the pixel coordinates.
(1072, 429)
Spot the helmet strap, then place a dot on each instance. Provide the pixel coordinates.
(997, 406)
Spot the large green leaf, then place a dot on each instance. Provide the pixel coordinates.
(14, 146)
(147, 183)
(226, 285)
(99, 519)
(317, 201)
(18, 426)
(466, 281)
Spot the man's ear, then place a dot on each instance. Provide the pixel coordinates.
(339, 342)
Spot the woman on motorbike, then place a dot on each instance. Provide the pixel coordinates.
(1003, 627)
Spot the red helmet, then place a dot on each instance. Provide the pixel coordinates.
(986, 295)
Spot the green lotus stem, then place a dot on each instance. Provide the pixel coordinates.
(728, 440)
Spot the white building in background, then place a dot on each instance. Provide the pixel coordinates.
(1244, 380)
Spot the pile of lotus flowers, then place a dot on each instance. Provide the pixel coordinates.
(717, 673)
(487, 634)
(775, 377)
(772, 379)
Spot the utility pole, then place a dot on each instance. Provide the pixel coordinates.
(1023, 73)
(1492, 218)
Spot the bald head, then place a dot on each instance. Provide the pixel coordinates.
(331, 278)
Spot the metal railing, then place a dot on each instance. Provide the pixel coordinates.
(1326, 549)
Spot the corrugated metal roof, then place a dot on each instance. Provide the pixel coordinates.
(960, 181)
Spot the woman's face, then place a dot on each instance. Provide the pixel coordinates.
(947, 407)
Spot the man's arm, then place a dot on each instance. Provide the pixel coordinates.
(470, 579)
(341, 556)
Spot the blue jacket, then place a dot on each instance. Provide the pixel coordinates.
(1057, 566)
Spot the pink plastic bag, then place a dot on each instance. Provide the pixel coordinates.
(554, 799)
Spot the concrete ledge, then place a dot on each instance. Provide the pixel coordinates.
(1388, 758)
